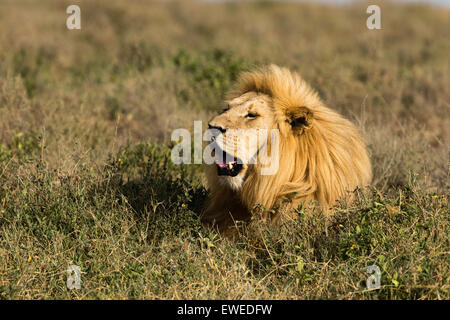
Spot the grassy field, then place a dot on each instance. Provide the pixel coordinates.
(85, 171)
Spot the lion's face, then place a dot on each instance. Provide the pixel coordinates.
(240, 137)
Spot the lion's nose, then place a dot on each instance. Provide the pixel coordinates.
(210, 126)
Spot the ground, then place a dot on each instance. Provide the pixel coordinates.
(85, 170)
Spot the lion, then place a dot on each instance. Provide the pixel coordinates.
(321, 156)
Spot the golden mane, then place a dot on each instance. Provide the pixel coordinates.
(322, 156)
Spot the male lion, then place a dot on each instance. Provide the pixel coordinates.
(321, 156)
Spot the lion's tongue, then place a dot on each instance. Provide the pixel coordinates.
(224, 165)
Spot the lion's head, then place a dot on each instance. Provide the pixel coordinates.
(272, 114)
(238, 130)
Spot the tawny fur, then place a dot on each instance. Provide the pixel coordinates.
(322, 159)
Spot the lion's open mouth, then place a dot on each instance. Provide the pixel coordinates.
(228, 166)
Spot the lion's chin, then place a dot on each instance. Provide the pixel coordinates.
(234, 183)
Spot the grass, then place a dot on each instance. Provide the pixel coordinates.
(85, 170)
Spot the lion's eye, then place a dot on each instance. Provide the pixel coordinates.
(226, 109)
(251, 115)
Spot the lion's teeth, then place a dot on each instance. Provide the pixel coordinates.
(230, 166)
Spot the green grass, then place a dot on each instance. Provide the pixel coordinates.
(133, 228)
(85, 170)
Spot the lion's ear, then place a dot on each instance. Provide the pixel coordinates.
(300, 119)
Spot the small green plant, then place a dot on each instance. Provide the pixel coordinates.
(212, 73)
